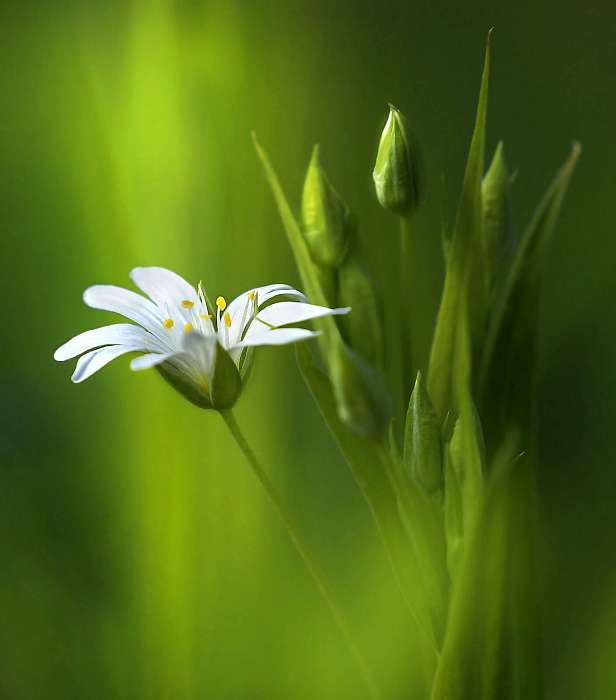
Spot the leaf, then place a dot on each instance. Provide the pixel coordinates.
(296, 240)
(508, 362)
(362, 397)
(491, 649)
(369, 465)
(466, 273)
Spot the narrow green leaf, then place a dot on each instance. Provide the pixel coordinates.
(466, 262)
(493, 612)
(362, 400)
(508, 362)
(467, 445)
(296, 240)
(368, 462)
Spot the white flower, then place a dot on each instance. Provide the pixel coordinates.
(178, 333)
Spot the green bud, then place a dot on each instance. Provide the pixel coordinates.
(361, 396)
(362, 328)
(396, 172)
(495, 195)
(221, 392)
(422, 440)
(324, 216)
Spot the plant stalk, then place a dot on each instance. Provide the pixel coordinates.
(301, 548)
(407, 359)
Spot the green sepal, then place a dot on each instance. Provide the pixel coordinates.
(197, 395)
(220, 393)
(226, 384)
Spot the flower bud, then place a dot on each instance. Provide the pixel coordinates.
(324, 216)
(221, 392)
(422, 442)
(396, 172)
(362, 328)
(495, 194)
(361, 396)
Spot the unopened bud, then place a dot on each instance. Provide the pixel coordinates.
(362, 328)
(495, 195)
(324, 216)
(361, 396)
(396, 171)
(422, 441)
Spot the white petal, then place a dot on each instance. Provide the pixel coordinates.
(278, 336)
(163, 286)
(116, 334)
(92, 361)
(150, 360)
(108, 297)
(263, 294)
(285, 312)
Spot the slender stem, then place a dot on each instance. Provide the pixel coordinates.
(302, 550)
(406, 320)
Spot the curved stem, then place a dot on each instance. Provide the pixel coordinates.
(406, 299)
(302, 550)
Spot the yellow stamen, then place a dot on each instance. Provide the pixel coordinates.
(205, 317)
(168, 323)
(221, 303)
(252, 295)
(187, 304)
(227, 319)
(188, 327)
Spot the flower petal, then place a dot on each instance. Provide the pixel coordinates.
(285, 312)
(92, 361)
(150, 360)
(163, 286)
(263, 294)
(277, 336)
(116, 334)
(108, 297)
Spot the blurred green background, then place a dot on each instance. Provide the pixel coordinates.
(138, 557)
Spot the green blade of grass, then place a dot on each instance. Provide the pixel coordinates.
(466, 262)
(508, 363)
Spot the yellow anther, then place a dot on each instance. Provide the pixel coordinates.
(221, 303)
(205, 317)
(252, 295)
(227, 319)
(168, 323)
(188, 304)
(188, 327)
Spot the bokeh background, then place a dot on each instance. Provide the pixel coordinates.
(138, 557)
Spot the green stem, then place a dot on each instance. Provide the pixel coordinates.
(302, 550)
(406, 300)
